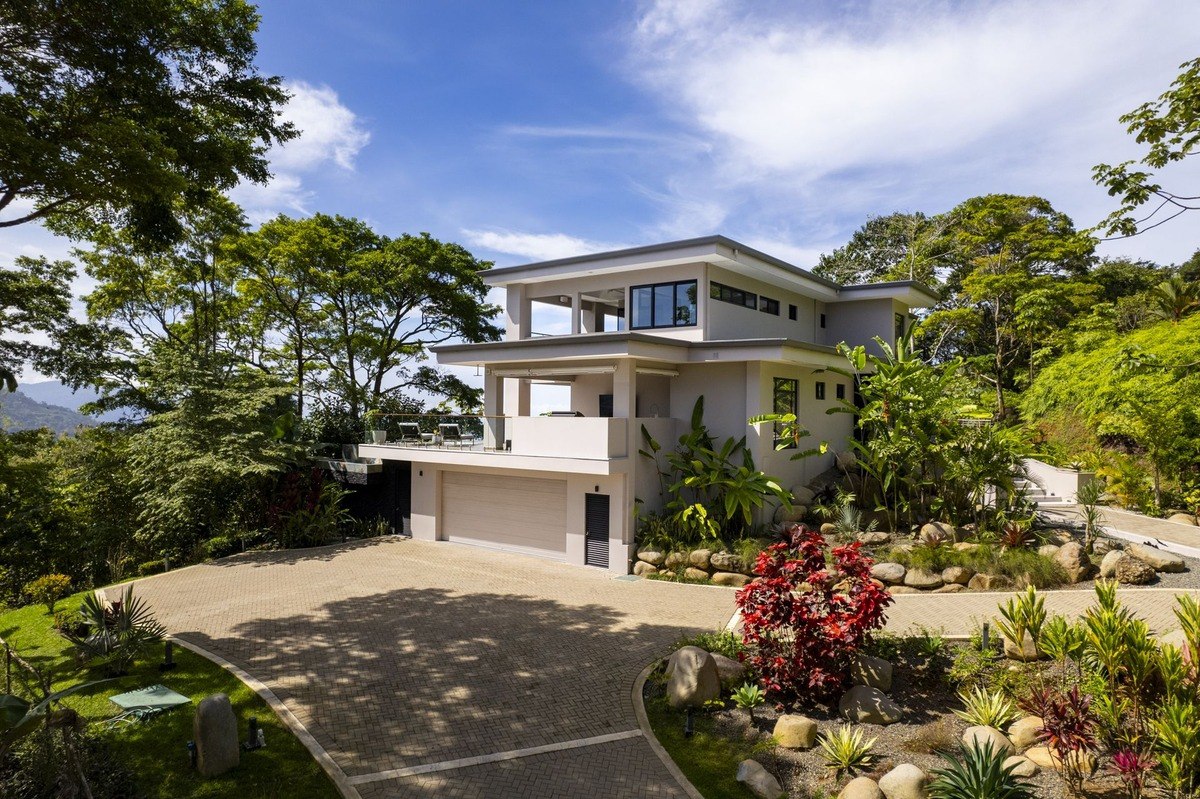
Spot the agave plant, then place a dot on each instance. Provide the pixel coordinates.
(978, 773)
(845, 750)
(986, 709)
(115, 635)
(748, 697)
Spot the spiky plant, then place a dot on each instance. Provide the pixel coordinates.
(115, 635)
(845, 750)
(748, 697)
(978, 772)
(986, 709)
(1023, 614)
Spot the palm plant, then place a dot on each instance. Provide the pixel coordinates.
(844, 750)
(1174, 298)
(115, 635)
(1088, 497)
(978, 772)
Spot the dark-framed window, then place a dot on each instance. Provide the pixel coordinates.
(664, 305)
(822, 320)
(820, 390)
(899, 326)
(768, 305)
(787, 390)
(792, 312)
(840, 391)
(719, 291)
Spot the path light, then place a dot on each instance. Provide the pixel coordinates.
(168, 657)
(688, 727)
(252, 733)
(983, 640)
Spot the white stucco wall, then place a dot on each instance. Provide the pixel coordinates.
(860, 322)
(729, 321)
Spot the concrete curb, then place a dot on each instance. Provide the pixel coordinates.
(331, 768)
(639, 709)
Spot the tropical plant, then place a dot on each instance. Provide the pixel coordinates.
(49, 589)
(1133, 769)
(1064, 642)
(748, 697)
(1174, 298)
(801, 643)
(1068, 729)
(1177, 743)
(978, 772)
(986, 708)
(1088, 498)
(20, 717)
(117, 635)
(845, 749)
(1023, 614)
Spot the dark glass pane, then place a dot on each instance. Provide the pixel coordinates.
(643, 306)
(685, 303)
(714, 291)
(664, 305)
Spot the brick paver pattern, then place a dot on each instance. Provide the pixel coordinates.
(397, 653)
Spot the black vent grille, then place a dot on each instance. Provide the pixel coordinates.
(596, 530)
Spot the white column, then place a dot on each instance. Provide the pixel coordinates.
(493, 408)
(517, 312)
(576, 313)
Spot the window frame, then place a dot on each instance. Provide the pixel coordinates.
(840, 391)
(733, 296)
(676, 286)
(777, 408)
(819, 389)
(793, 312)
(768, 305)
(822, 321)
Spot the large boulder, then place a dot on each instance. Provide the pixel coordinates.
(966, 546)
(978, 737)
(872, 671)
(938, 531)
(675, 560)
(735, 579)
(1102, 546)
(861, 788)
(760, 781)
(1021, 766)
(803, 495)
(1182, 518)
(863, 704)
(655, 557)
(1025, 652)
(957, 575)
(1024, 732)
(729, 670)
(1160, 559)
(795, 732)
(1131, 571)
(215, 732)
(642, 568)
(828, 529)
(922, 579)
(693, 678)
(725, 562)
(950, 588)
(1048, 550)
(700, 558)
(790, 514)
(1108, 566)
(1041, 756)
(1074, 562)
(990, 582)
(890, 573)
(874, 538)
(905, 781)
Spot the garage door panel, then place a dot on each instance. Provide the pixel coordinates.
(526, 514)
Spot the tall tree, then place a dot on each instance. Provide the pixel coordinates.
(35, 306)
(898, 246)
(114, 112)
(1169, 126)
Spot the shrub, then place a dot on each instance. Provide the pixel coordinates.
(748, 697)
(722, 642)
(844, 750)
(151, 567)
(801, 642)
(1068, 728)
(115, 636)
(221, 546)
(978, 773)
(986, 708)
(48, 589)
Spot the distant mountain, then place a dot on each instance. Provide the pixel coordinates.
(52, 392)
(20, 412)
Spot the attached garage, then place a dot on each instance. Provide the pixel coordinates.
(521, 514)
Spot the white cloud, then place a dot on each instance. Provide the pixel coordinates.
(535, 246)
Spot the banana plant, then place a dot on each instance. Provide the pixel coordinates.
(19, 717)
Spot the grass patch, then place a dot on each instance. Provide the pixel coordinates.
(708, 760)
(156, 749)
(1043, 572)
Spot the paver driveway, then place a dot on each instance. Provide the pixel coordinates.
(397, 654)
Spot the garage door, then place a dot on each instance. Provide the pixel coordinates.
(516, 513)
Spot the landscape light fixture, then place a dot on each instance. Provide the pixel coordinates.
(688, 727)
(168, 657)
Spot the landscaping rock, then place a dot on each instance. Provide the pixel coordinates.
(1102, 546)
(872, 671)
(760, 781)
(1160, 559)
(1074, 562)
(828, 529)
(1131, 571)
(725, 562)
(890, 573)
(874, 539)
(1041, 756)
(795, 732)
(863, 704)
(966, 546)
(939, 530)
(1048, 550)
(693, 573)
(642, 568)
(1182, 518)
(1108, 566)
(845, 460)
(957, 574)
(923, 579)
(215, 732)
(990, 582)
(905, 781)
(652, 556)
(1024, 732)
(978, 737)
(1061, 535)
(693, 678)
(903, 589)
(1021, 766)
(675, 560)
(795, 513)
(729, 670)
(861, 788)
(803, 495)
(952, 588)
(735, 579)
(1025, 653)
(699, 558)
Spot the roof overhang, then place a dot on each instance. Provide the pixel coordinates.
(912, 293)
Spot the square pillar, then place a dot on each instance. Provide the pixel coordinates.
(493, 410)
(587, 317)
(518, 311)
(576, 313)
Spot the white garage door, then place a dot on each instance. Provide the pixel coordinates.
(516, 513)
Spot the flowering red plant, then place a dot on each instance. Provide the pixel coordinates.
(805, 619)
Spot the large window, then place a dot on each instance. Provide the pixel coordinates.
(786, 391)
(664, 305)
(719, 291)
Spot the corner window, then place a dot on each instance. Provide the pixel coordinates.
(792, 312)
(899, 326)
(820, 390)
(822, 320)
(786, 390)
(768, 305)
(664, 305)
(719, 291)
(840, 391)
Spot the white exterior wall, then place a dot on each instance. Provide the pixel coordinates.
(860, 322)
(729, 321)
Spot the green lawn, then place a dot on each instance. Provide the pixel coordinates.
(157, 748)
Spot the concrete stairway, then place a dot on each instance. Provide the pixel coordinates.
(1038, 496)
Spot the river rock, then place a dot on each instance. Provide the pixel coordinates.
(966, 546)
(923, 579)
(700, 558)
(828, 529)
(872, 671)
(1182, 518)
(1048, 550)
(1021, 766)
(760, 781)
(939, 531)
(905, 781)
(1041, 756)
(978, 737)
(1024, 732)
(1131, 571)
(1074, 562)
(957, 574)
(1160, 559)
(729, 670)
(735, 579)
(903, 589)
(675, 560)
(950, 588)
(725, 562)
(1102, 546)
(861, 788)
(890, 573)
(692, 678)
(216, 735)
(874, 538)
(692, 573)
(642, 568)
(1108, 566)
(990, 582)
(1025, 653)
(654, 557)
(795, 731)
(863, 704)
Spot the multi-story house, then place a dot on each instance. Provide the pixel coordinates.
(651, 330)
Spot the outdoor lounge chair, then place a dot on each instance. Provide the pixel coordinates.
(410, 433)
(453, 436)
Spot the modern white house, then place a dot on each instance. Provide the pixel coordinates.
(651, 329)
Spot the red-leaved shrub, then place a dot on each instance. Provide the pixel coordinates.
(805, 620)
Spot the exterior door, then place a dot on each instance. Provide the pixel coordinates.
(596, 530)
